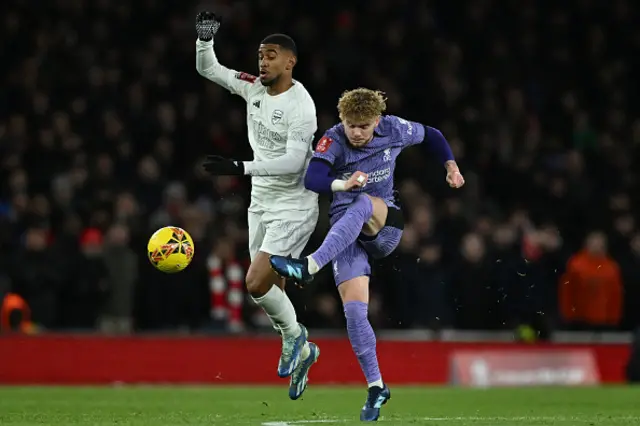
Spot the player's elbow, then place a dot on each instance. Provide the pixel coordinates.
(297, 166)
(206, 68)
(202, 70)
(294, 161)
(309, 182)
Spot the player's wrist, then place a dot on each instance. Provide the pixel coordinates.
(339, 185)
(451, 166)
(245, 167)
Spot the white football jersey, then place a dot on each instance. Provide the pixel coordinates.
(274, 123)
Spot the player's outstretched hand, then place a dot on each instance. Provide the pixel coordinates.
(207, 25)
(219, 166)
(357, 180)
(455, 179)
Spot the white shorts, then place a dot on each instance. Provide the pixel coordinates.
(281, 233)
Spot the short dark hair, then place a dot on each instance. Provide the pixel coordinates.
(281, 40)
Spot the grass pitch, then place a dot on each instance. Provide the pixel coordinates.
(269, 406)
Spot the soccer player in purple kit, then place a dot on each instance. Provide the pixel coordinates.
(356, 161)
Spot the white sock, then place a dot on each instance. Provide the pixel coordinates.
(280, 311)
(278, 307)
(313, 266)
(377, 383)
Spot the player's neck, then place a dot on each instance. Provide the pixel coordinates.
(280, 86)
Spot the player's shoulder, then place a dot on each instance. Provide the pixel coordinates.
(396, 127)
(255, 88)
(300, 100)
(247, 78)
(390, 123)
(333, 136)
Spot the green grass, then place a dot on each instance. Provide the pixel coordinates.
(321, 405)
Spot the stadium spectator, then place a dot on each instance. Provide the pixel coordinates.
(591, 288)
(15, 315)
(86, 285)
(122, 275)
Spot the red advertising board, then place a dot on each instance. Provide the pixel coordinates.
(524, 368)
(102, 360)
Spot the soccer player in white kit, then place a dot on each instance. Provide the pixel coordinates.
(281, 122)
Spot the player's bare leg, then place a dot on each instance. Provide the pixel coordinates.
(366, 215)
(267, 290)
(355, 298)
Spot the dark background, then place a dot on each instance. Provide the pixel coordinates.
(104, 122)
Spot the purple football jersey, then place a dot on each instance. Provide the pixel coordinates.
(377, 158)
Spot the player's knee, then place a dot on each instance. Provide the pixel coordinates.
(378, 217)
(355, 290)
(362, 197)
(256, 283)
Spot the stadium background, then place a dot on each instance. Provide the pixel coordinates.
(104, 123)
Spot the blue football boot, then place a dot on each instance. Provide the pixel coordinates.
(291, 351)
(300, 375)
(288, 267)
(377, 398)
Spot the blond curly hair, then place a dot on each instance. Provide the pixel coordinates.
(361, 105)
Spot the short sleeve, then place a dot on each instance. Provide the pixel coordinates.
(409, 132)
(328, 148)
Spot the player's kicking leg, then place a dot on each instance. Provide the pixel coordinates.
(370, 219)
(366, 215)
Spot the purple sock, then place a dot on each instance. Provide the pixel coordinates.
(363, 339)
(345, 231)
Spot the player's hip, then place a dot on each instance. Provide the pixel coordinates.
(266, 215)
(283, 233)
(275, 201)
(282, 182)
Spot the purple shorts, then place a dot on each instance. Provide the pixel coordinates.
(353, 261)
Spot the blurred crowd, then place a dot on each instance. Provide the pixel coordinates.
(104, 122)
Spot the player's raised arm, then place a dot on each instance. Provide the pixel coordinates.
(207, 65)
(433, 140)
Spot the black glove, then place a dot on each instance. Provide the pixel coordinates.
(207, 25)
(220, 166)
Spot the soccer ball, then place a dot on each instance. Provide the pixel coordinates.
(170, 249)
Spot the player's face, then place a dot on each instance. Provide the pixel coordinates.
(273, 61)
(360, 133)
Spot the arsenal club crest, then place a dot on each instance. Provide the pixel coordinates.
(276, 117)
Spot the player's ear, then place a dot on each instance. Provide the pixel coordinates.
(291, 62)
